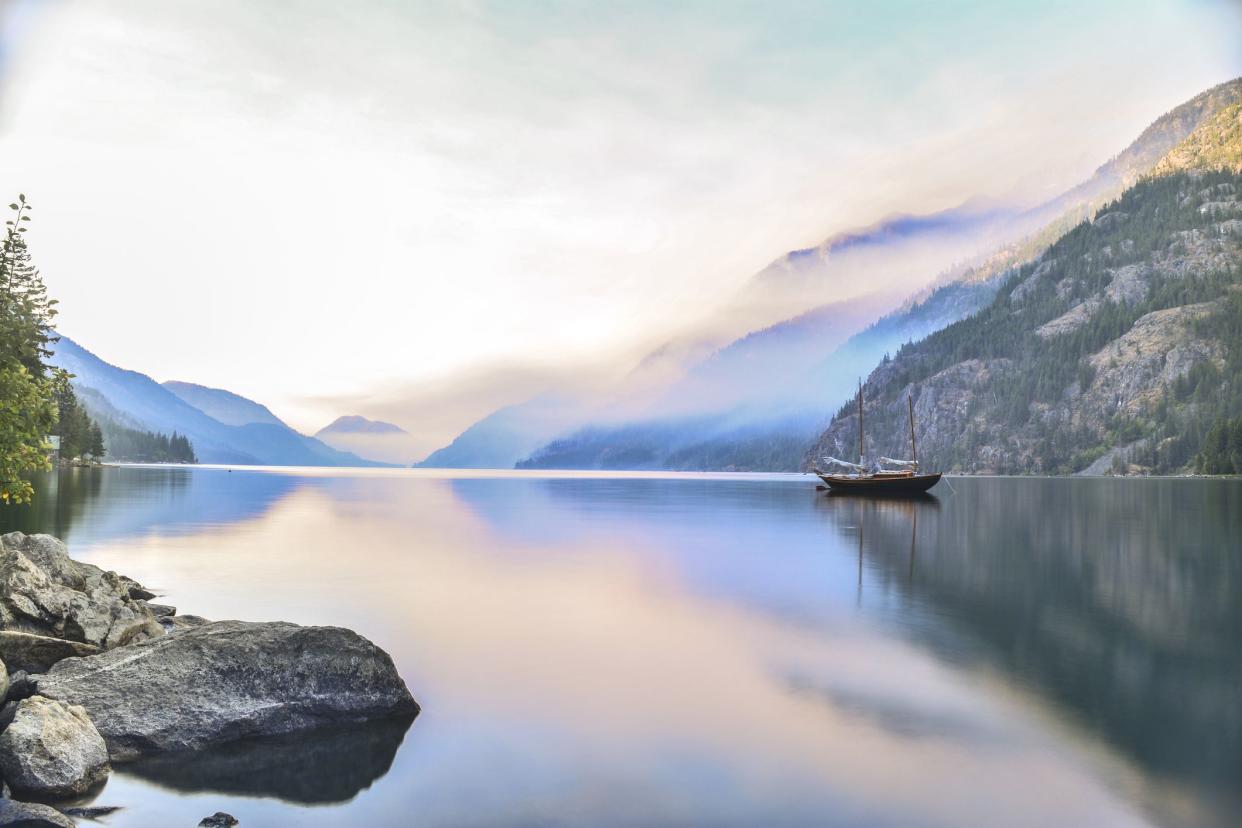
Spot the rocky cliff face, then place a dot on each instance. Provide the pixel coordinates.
(1116, 349)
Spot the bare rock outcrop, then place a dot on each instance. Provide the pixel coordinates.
(45, 592)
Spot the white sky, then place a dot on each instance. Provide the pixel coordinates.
(311, 202)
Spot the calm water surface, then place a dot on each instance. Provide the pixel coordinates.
(689, 650)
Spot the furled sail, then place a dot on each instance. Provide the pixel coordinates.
(908, 464)
(832, 461)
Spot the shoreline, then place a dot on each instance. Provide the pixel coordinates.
(94, 672)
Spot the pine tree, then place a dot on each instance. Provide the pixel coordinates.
(28, 313)
(95, 447)
(27, 388)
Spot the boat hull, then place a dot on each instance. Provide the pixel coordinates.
(912, 484)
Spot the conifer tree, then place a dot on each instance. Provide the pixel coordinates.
(95, 447)
(27, 388)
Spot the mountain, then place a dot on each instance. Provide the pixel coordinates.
(225, 406)
(1155, 143)
(1119, 349)
(504, 437)
(769, 432)
(373, 439)
(1217, 145)
(356, 424)
(668, 383)
(139, 402)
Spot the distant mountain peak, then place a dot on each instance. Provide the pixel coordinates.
(357, 424)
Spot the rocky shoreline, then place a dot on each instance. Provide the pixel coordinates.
(94, 673)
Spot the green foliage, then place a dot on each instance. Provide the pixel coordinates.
(27, 385)
(138, 446)
(26, 413)
(80, 436)
(1222, 448)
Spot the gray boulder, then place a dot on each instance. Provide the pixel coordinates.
(21, 686)
(37, 653)
(15, 814)
(229, 680)
(45, 592)
(4, 682)
(50, 749)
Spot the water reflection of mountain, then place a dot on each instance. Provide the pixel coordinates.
(89, 506)
(320, 767)
(1120, 601)
(753, 542)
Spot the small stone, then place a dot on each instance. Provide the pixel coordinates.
(162, 610)
(139, 593)
(218, 820)
(31, 815)
(176, 623)
(91, 811)
(142, 629)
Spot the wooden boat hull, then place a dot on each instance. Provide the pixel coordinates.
(908, 484)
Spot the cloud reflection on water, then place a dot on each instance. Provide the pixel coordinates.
(634, 652)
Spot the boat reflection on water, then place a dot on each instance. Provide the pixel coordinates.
(857, 510)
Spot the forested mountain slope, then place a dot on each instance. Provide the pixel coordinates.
(137, 402)
(770, 431)
(1120, 347)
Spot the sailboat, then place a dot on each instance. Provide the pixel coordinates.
(858, 479)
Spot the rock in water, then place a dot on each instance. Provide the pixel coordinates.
(37, 653)
(45, 592)
(91, 811)
(229, 680)
(50, 748)
(218, 820)
(30, 815)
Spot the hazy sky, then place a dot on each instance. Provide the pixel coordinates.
(310, 202)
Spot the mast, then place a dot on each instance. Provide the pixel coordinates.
(914, 451)
(860, 423)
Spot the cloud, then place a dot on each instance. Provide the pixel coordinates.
(323, 204)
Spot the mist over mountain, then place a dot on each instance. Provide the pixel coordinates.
(765, 429)
(375, 440)
(1119, 349)
(140, 402)
(506, 436)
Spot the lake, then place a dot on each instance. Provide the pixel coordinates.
(706, 650)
